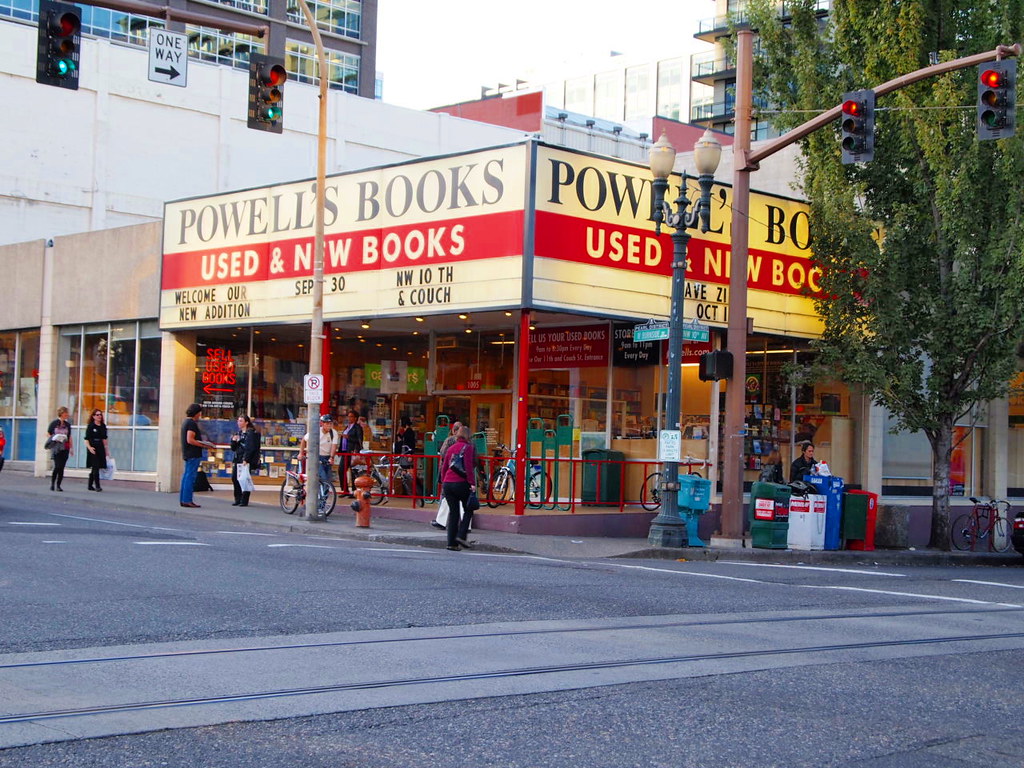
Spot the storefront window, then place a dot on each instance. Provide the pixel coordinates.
(475, 361)
(112, 368)
(19, 387)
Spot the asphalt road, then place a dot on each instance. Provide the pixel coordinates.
(221, 646)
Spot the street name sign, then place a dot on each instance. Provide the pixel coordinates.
(696, 332)
(650, 331)
(168, 57)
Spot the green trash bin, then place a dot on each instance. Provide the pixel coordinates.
(769, 515)
(602, 482)
(855, 516)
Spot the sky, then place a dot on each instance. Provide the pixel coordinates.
(437, 52)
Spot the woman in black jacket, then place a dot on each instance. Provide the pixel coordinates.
(96, 445)
(246, 445)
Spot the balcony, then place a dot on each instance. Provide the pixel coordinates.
(710, 67)
(710, 30)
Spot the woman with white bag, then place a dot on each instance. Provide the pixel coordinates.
(246, 445)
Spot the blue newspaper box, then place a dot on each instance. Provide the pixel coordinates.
(832, 489)
(694, 500)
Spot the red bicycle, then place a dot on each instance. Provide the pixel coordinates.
(988, 520)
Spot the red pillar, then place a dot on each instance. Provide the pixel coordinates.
(325, 370)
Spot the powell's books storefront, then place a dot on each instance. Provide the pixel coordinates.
(499, 288)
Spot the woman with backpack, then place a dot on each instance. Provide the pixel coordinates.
(458, 466)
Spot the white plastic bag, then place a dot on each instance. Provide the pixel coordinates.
(821, 469)
(442, 513)
(245, 478)
(107, 473)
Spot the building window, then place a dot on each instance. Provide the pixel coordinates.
(207, 44)
(116, 368)
(579, 95)
(608, 99)
(19, 388)
(255, 6)
(300, 61)
(114, 25)
(670, 89)
(638, 92)
(342, 17)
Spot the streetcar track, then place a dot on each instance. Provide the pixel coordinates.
(478, 635)
(497, 674)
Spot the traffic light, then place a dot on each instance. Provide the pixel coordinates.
(715, 366)
(858, 127)
(997, 99)
(60, 39)
(267, 76)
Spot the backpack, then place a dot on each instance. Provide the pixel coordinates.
(457, 464)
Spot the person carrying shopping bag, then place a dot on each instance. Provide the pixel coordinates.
(459, 463)
(246, 445)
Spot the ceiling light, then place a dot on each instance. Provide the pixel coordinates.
(365, 324)
(419, 319)
(463, 316)
(468, 329)
(508, 314)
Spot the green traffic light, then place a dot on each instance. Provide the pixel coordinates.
(272, 114)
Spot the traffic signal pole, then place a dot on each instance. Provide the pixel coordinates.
(745, 161)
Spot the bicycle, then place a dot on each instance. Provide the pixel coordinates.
(650, 491)
(293, 494)
(389, 475)
(501, 485)
(988, 519)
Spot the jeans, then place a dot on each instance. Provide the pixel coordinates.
(188, 480)
(325, 469)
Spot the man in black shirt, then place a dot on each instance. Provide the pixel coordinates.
(192, 445)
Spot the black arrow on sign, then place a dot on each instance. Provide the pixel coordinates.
(172, 72)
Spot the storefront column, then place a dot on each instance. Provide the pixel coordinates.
(872, 447)
(177, 391)
(325, 368)
(46, 405)
(995, 475)
(522, 411)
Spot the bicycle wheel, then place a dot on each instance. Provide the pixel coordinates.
(378, 491)
(650, 493)
(410, 487)
(540, 488)
(327, 499)
(1001, 534)
(501, 489)
(964, 532)
(291, 494)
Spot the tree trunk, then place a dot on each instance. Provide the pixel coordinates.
(942, 451)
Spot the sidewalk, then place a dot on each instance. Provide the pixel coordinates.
(264, 512)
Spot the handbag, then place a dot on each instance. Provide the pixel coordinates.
(107, 473)
(48, 445)
(458, 464)
(244, 478)
(472, 503)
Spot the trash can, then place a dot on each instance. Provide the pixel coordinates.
(694, 500)
(769, 515)
(860, 515)
(602, 477)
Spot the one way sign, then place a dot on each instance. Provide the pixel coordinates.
(168, 57)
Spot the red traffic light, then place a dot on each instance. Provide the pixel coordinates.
(273, 76)
(853, 108)
(991, 78)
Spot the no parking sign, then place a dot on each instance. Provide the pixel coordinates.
(313, 388)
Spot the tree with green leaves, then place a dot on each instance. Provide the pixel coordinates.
(923, 248)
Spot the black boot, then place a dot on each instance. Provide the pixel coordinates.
(245, 499)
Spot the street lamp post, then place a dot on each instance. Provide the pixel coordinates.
(668, 528)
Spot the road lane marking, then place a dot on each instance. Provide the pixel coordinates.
(114, 522)
(815, 568)
(53, 541)
(172, 544)
(989, 583)
(245, 533)
(307, 546)
(908, 594)
(13, 522)
(688, 573)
